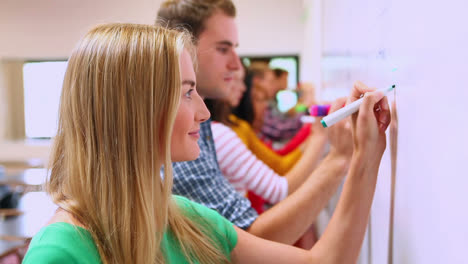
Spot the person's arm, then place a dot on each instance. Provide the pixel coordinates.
(288, 220)
(313, 152)
(296, 141)
(244, 169)
(342, 240)
(283, 164)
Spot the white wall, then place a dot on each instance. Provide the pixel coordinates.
(49, 29)
(270, 26)
(45, 29)
(425, 41)
(3, 104)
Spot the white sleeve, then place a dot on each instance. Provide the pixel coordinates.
(243, 169)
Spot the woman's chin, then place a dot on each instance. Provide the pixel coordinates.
(186, 156)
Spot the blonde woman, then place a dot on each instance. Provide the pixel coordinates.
(122, 94)
(129, 106)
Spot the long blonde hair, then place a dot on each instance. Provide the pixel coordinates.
(118, 105)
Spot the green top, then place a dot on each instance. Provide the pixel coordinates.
(62, 242)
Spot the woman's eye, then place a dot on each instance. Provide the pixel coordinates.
(189, 94)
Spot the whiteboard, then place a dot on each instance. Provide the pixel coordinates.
(422, 47)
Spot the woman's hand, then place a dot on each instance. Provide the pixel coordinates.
(339, 134)
(370, 122)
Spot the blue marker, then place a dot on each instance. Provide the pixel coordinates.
(346, 111)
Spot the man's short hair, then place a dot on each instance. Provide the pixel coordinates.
(279, 72)
(192, 14)
(259, 69)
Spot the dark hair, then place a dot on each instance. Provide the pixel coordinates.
(278, 72)
(192, 14)
(220, 111)
(245, 109)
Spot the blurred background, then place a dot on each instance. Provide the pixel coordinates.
(418, 45)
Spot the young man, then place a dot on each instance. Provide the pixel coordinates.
(213, 26)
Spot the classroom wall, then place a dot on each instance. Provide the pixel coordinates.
(269, 27)
(49, 29)
(3, 104)
(421, 46)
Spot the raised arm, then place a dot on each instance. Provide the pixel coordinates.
(313, 152)
(343, 237)
(243, 169)
(296, 141)
(288, 220)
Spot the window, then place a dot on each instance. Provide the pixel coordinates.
(42, 88)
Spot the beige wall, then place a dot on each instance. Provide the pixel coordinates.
(11, 87)
(45, 29)
(3, 104)
(49, 29)
(33, 153)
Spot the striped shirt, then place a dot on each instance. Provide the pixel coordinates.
(243, 169)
